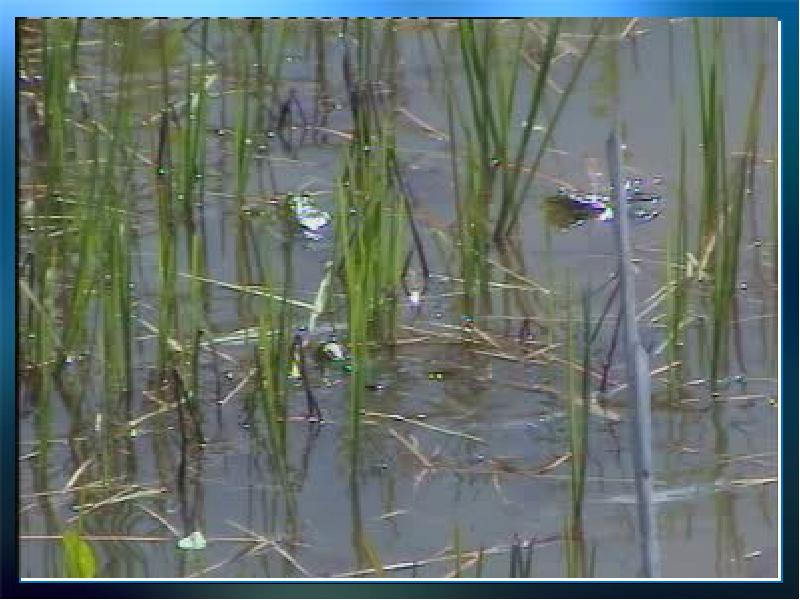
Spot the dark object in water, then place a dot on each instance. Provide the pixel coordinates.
(298, 370)
(572, 208)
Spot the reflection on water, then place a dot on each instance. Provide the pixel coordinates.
(447, 449)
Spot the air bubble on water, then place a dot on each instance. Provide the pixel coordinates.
(743, 285)
(757, 243)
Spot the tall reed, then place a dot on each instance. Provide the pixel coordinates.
(725, 190)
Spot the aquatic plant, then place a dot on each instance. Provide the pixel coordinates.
(724, 191)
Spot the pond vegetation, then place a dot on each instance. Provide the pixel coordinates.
(343, 298)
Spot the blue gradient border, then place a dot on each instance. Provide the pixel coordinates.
(784, 10)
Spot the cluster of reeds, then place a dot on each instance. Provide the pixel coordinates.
(725, 189)
(373, 213)
(493, 58)
(490, 150)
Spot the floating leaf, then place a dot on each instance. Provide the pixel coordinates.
(79, 558)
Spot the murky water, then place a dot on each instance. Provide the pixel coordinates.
(459, 441)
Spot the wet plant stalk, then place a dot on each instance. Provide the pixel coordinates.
(638, 372)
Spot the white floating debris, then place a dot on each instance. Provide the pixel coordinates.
(193, 541)
(309, 216)
(333, 350)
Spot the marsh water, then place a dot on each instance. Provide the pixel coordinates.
(463, 451)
